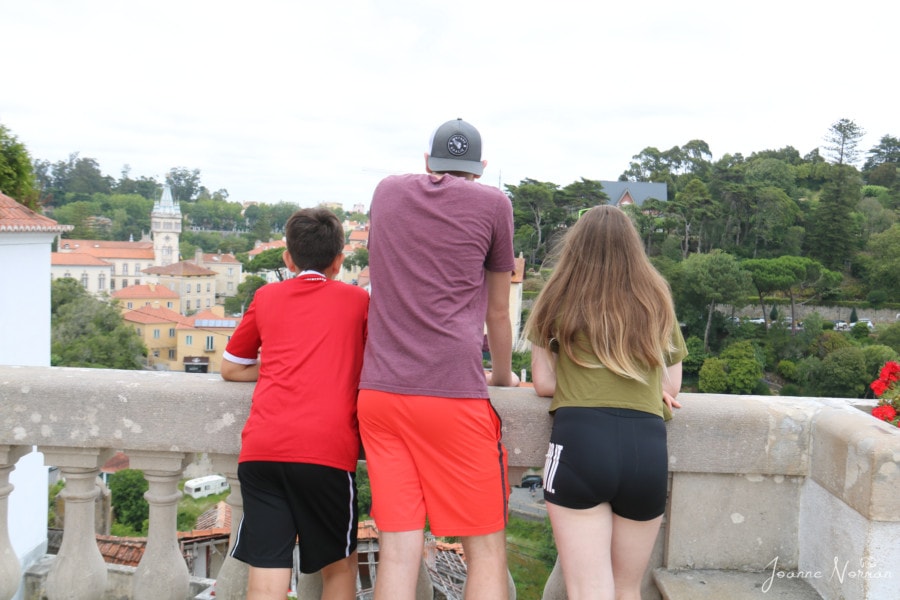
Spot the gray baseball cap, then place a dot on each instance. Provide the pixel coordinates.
(456, 146)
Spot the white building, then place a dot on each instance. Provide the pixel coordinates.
(25, 240)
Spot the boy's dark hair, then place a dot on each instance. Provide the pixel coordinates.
(315, 237)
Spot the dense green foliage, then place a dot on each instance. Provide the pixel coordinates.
(531, 555)
(88, 332)
(126, 488)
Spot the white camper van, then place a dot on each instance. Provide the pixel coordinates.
(205, 486)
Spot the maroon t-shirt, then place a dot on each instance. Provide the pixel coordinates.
(430, 241)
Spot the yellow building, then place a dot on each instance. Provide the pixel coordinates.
(195, 285)
(202, 341)
(151, 294)
(157, 328)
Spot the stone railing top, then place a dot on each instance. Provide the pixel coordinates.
(856, 457)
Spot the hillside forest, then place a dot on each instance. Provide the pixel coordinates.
(764, 233)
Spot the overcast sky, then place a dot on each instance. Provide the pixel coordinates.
(312, 102)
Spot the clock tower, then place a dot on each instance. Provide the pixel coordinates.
(165, 228)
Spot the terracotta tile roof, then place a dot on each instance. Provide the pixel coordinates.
(359, 236)
(267, 246)
(18, 218)
(217, 517)
(107, 249)
(181, 269)
(150, 314)
(220, 258)
(366, 530)
(118, 462)
(121, 550)
(63, 259)
(151, 290)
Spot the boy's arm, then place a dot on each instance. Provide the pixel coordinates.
(232, 371)
(499, 329)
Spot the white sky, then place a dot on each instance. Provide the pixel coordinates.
(312, 102)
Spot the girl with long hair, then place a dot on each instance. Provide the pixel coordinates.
(607, 347)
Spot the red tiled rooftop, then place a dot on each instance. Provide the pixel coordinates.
(151, 290)
(121, 550)
(267, 246)
(18, 218)
(151, 314)
(68, 259)
(220, 258)
(181, 269)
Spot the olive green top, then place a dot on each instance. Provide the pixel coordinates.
(600, 387)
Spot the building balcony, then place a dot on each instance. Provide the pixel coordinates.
(793, 495)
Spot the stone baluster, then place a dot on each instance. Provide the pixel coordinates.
(10, 571)
(231, 582)
(79, 570)
(162, 573)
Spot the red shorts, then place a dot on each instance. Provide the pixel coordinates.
(440, 457)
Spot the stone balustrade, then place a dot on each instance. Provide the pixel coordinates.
(759, 484)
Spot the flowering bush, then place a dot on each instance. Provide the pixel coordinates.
(887, 388)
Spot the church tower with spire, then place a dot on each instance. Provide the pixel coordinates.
(165, 228)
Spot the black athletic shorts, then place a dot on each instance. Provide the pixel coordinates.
(287, 501)
(613, 455)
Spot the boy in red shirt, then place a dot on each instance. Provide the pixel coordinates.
(302, 341)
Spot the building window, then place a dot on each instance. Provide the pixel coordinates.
(189, 340)
(171, 355)
(207, 303)
(156, 334)
(230, 286)
(101, 281)
(84, 280)
(170, 304)
(230, 271)
(187, 305)
(171, 332)
(137, 282)
(207, 286)
(209, 343)
(124, 283)
(156, 354)
(129, 305)
(112, 284)
(198, 288)
(137, 268)
(188, 290)
(124, 268)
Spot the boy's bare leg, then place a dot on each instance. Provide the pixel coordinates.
(487, 572)
(268, 584)
(399, 559)
(339, 579)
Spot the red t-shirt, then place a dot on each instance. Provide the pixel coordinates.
(309, 333)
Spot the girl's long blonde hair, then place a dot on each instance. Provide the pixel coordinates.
(605, 300)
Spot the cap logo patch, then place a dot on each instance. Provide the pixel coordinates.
(458, 144)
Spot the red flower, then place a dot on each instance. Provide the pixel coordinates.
(884, 412)
(890, 372)
(879, 387)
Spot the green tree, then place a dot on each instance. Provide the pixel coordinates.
(884, 271)
(744, 367)
(269, 261)
(715, 278)
(246, 290)
(87, 332)
(127, 488)
(830, 238)
(887, 151)
(533, 205)
(185, 183)
(359, 258)
(842, 140)
(843, 374)
(16, 173)
(713, 376)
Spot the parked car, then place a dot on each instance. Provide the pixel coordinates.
(868, 323)
(841, 326)
(758, 321)
(529, 480)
